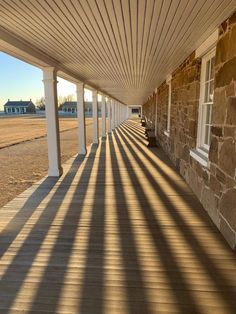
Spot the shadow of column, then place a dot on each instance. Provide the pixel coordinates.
(226, 289)
(92, 291)
(19, 266)
(135, 288)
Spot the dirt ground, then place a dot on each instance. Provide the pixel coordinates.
(26, 162)
(19, 129)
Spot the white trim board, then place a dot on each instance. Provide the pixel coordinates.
(199, 157)
(207, 45)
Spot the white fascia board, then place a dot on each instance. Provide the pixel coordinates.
(207, 45)
(168, 79)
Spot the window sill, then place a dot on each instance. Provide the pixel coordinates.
(200, 157)
(167, 133)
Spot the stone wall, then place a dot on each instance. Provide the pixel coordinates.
(215, 186)
(150, 111)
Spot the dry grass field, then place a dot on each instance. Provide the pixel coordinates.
(18, 129)
(23, 151)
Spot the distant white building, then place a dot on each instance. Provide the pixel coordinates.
(134, 111)
(19, 107)
(71, 107)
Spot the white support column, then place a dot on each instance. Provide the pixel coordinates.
(51, 107)
(81, 118)
(127, 112)
(95, 117)
(115, 111)
(117, 114)
(103, 116)
(109, 114)
(112, 114)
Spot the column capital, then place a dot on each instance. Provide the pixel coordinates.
(79, 87)
(49, 74)
(95, 94)
(80, 84)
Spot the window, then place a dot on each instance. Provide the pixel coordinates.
(168, 82)
(205, 109)
(206, 102)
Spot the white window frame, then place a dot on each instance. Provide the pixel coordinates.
(206, 48)
(168, 82)
(201, 146)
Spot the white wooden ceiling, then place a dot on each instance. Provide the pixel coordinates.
(123, 47)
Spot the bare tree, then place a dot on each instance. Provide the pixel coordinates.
(62, 99)
(40, 103)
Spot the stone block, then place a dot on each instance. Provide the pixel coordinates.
(219, 106)
(230, 132)
(215, 185)
(232, 45)
(231, 111)
(209, 202)
(230, 183)
(227, 157)
(213, 152)
(227, 207)
(199, 169)
(220, 176)
(232, 19)
(226, 73)
(195, 183)
(228, 233)
(230, 90)
(222, 49)
(212, 168)
(217, 131)
(192, 128)
(224, 27)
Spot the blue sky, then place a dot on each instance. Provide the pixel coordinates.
(20, 80)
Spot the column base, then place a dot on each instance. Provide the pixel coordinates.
(82, 151)
(57, 172)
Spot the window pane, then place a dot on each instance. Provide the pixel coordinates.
(207, 114)
(207, 135)
(212, 68)
(207, 70)
(206, 98)
(211, 91)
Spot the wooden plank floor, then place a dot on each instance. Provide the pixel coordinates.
(119, 232)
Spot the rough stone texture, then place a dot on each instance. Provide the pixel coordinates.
(213, 154)
(227, 156)
(214, 186)
(228, 232)
(228, 206)
(231, 111)
(209, 201)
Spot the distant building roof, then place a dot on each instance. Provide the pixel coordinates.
(69, 104)
(20, 103)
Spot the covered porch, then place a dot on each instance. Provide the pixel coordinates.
(118, 232)
(121, 227)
